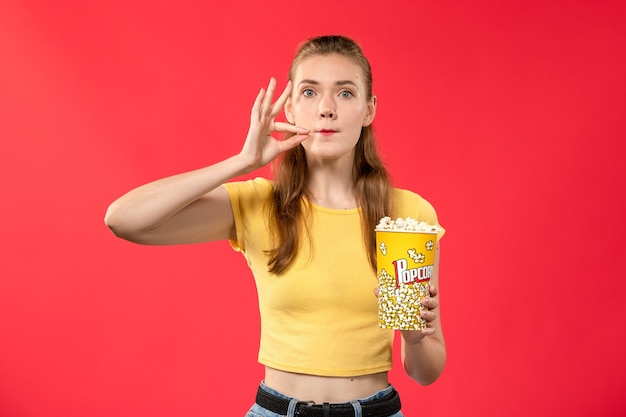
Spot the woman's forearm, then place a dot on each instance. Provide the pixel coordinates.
(151, 205)
(424, 360)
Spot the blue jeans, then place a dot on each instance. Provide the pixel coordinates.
(258, 411)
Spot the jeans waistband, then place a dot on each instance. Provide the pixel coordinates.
(386, 405)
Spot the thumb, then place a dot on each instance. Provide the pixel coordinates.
(292, 141)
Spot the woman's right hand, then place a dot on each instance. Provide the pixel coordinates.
(260, 146)
(192, 207)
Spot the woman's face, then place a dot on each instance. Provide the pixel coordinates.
(330, 98)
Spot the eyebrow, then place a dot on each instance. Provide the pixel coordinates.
(340, 82)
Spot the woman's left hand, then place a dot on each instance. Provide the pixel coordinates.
(429, 313)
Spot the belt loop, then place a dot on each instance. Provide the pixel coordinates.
(291, 410)
(358, 411)
(326, 408)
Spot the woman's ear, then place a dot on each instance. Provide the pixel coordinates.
(289, 111)
(371, 111)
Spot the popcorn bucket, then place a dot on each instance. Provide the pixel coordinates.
(405, 264)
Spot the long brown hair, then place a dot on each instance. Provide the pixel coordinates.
(373, 190)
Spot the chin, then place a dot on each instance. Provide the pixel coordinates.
(326, 152)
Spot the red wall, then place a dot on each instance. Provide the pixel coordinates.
(507, 116)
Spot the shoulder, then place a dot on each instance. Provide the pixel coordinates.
(409, 199)
(256, 188)
(247, 197)
(410, 204)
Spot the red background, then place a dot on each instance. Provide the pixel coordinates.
(507, 116)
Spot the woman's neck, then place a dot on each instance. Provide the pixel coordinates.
(331, 185)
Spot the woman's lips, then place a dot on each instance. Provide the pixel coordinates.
(326, 132)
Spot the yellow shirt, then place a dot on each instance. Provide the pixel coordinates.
(319, 316)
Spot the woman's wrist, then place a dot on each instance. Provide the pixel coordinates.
(244, 164)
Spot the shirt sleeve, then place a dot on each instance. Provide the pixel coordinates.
(410, 204)
(247, 199)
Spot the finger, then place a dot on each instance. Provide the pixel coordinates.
(428, 315)
(428, 331)
(254, 114)
(267, 100)
(288, 127)
(292, 142)
(429, 302)
(433, 290)
(280, 103)
(376, 292)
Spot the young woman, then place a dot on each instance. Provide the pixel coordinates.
(308, 237)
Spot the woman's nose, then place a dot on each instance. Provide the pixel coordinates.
(327, 113)
(327, 109)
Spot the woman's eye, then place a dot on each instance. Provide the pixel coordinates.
(346, 94)
(308, 93)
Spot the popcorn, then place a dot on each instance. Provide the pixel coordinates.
(405, 257)
(408, 225)
(407, 296)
